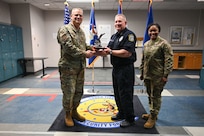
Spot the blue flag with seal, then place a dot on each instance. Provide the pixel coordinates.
(120, 11)
(93, 34)
(150, 20)
(66, 13)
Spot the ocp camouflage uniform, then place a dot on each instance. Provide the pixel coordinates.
(72, 64)
(157, 62)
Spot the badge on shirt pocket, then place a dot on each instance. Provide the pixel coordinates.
(121, 38)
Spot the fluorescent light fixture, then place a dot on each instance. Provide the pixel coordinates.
(81, 1)
(200, 0)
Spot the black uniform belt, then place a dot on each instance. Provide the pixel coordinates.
(123, 65)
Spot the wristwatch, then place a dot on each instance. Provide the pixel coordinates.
(111, 52)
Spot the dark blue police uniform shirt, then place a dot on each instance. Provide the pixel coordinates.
(125, 39)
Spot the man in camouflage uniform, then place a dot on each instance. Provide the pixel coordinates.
(157, 63)
(72, 63)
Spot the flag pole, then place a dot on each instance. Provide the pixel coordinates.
(93, 38)
(93, 91)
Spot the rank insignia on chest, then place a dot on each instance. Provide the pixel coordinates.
(131, 37)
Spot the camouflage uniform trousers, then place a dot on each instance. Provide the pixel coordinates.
(154, 89)
(72, 83)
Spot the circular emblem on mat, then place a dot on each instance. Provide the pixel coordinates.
(98, 111)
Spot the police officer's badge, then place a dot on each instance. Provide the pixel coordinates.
(131, 37)
(121, 38)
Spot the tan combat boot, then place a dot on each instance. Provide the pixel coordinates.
(77, 116)
(150, 122)
(146, 116)
(68, 120)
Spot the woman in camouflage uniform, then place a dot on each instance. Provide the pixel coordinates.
(157, 63)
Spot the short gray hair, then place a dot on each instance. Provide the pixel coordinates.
(76, 9)
(122, 15)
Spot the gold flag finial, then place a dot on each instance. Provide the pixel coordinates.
(66, 3)
(92, 3)
(120, 1)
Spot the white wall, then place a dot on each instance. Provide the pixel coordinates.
(40, 28)
(31, 19)
(5, 13)
(38, 36)
(136, 22)
(53, 21)
(20, 16)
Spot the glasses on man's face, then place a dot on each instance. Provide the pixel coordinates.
(76, 15)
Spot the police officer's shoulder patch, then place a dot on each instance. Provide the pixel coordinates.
(131, 37)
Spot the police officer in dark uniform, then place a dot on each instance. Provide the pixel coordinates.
(122, 50)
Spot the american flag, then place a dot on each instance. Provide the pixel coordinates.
(120, 11)
(66, 14)
(93, 33)
(150, 20)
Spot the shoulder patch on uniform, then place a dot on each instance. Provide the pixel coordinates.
(131, 37)
(64, 38)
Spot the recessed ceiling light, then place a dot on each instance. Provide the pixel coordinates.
(46, 4)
